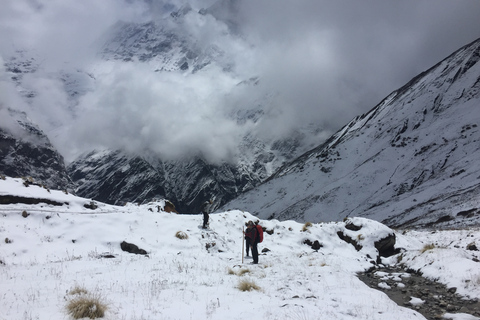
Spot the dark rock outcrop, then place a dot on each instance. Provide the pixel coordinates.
(27, 152)
(132, 248)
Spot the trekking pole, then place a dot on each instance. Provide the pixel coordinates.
(243, 241)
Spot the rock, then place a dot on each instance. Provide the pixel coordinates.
(348, 239)
(451, 308)
(472, 247)
(386, 246)
(132, 248)
(315, 245)
(350, 226)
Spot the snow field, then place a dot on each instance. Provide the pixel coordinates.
(57, 249)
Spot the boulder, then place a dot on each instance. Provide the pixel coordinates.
(132, 248)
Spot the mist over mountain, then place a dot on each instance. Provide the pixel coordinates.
(26, 151)
(230, 89)
(410, 161)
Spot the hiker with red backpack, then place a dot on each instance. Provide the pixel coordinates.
(256, 236)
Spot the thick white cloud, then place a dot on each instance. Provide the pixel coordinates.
(317, 61)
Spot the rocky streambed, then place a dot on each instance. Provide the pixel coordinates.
(409, 289)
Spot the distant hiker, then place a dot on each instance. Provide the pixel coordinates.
(254, 241)
(205, 210)
(248, 236)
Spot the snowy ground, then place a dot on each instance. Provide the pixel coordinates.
(56, 249)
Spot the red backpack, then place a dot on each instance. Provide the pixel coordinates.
(260, 233)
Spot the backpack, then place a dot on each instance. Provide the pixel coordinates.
(260, 233)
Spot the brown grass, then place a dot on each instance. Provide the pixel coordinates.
(86, 306)
(181, 235)
(427, 247)
(78, 290)
(247, 285)
(306, 226)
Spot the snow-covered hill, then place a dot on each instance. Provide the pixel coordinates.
(412, 160)
(67, 248)
(26, 151)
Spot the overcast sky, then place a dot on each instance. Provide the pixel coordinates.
(322, 61)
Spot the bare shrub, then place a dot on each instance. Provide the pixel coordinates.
(306, 226)
(86, 306)
(181, 235)
(247, 285)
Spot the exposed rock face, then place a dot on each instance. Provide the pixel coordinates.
(386, 246)
(28, 153)
(411, 161)
(114, 177)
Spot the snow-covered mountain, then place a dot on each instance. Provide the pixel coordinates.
(26, 151)
(187, 181)
(162, 46)
(411, 160)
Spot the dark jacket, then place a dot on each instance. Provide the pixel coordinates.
(206, 207)
(253, 235)
(249, 233)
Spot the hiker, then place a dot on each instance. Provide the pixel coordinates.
(248, 236)
(205, 209)
(254, 242)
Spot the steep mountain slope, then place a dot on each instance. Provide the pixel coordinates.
(411, 160)
(25, 151)
(163, 48)
(115, 177)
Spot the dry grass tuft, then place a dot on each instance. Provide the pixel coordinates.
(86, 306)
(306, 226)
(78, 290)
(247, 285)
(427, 247)
(242, 272)
(181, 235)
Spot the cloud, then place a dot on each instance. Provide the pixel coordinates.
(333, 60)
(321, 62)
(171, 114)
